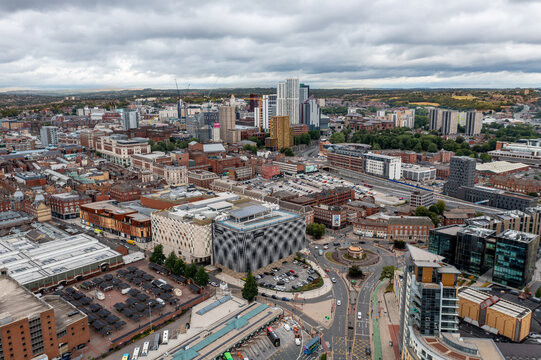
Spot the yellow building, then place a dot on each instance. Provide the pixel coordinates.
(280, 133)
(493, 314)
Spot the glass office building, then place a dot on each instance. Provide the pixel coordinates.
(515, 256)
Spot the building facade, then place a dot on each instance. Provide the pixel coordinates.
(280, 133)
(388, 167)
(119, 149)
(287, 99)
(255, 236)
(49, 135)
(461, 173)
(66, 205)
(474, 123)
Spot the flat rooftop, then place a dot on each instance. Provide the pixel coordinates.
(494, 302)
(517, 236)
(220, 332)
(64, 312)
(28, 261)
(273, 217)
(498, 167)
(17, 303)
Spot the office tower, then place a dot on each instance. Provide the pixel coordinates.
(287, 100)
(130, 119)
(280, 133)
(474, 123)
(515, 257)
(449, 122)
(226, 115)
(428, 300)
(434, 119)
(461, 173)
(253, 102)
(49, 135)
(310, 113)
(304, 93)
(207, 119)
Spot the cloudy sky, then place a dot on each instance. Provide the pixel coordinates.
(99, 44)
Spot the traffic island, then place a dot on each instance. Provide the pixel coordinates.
(355, 255)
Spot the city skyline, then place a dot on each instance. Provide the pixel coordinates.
(350, 44)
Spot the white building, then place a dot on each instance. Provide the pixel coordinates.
(287, 100)
(418, 173)
(130, 119)
(187, 229)
(118, 148)
(49, 135)
(170, 112)
(384, 166)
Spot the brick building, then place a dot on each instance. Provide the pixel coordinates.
(125, 192)
(519, 185)
(333, 217)
(33, 327)
(407, 228)
(201, 178)
(31, 179)
(123, 222)
(66, 205)
(268, 171)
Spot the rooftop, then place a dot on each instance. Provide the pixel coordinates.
(517, 236)
(498, 167)
(272, 217)
(64, 312)
(16, 302)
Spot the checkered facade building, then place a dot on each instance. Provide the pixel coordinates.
(247, 250)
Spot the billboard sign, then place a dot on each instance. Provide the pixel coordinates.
(310, 168)
(336, 221)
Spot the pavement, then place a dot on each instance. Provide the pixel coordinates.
(388, 319)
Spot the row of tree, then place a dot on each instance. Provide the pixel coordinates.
(178, 267)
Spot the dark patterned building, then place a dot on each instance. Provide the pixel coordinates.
(256, 236)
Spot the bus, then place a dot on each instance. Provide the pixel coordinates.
(135, 353)
(126, 357)
(165, 337)
(144, 352)
(227, 356)
(273, 337)
(156, 343)
(312, 345)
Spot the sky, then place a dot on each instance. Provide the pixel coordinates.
(113, 44)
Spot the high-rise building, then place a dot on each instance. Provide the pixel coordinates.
(228, 133)
(49, 135)
(449, 122)
(304, 93)
(287, 100)
(434, 119)
(428, 300)
(461, 173)
(310, 113)
(515, 257)
(130, 119)
(474, 123)
(207, 121)
(280, 133)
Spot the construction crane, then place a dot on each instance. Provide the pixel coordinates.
(259, 107)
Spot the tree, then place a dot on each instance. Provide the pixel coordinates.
(287, 152)
(338, 138)
(157, 256)
(249, 291)
(387, 272)
(485, 157)
(250, 148)
(171, 261)
(534, 194)
(191, 270)
(432, 148)
(355, 272)
(538, 292)
(440, 206)
(314, 134)
(201, 277)
(421, 211)
(180, 267)
(316, 230)
(399, 244)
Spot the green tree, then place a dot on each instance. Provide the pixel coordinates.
(250, 148)
(399, 244)
(287, 152)
(534, 194)
(316, 230)
(180, 267)
(338, 138)
(485, 157)
(355, 272)
(249, 291)
(387, 272)
(440, 206)
(157, 256)
(432, 148)
(538, 292)
(201, 277)
(191, 270)
(305, 139)
(314, 134)
(421, 211)
(171, 261)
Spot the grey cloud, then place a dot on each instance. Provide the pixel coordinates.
(115, 43)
